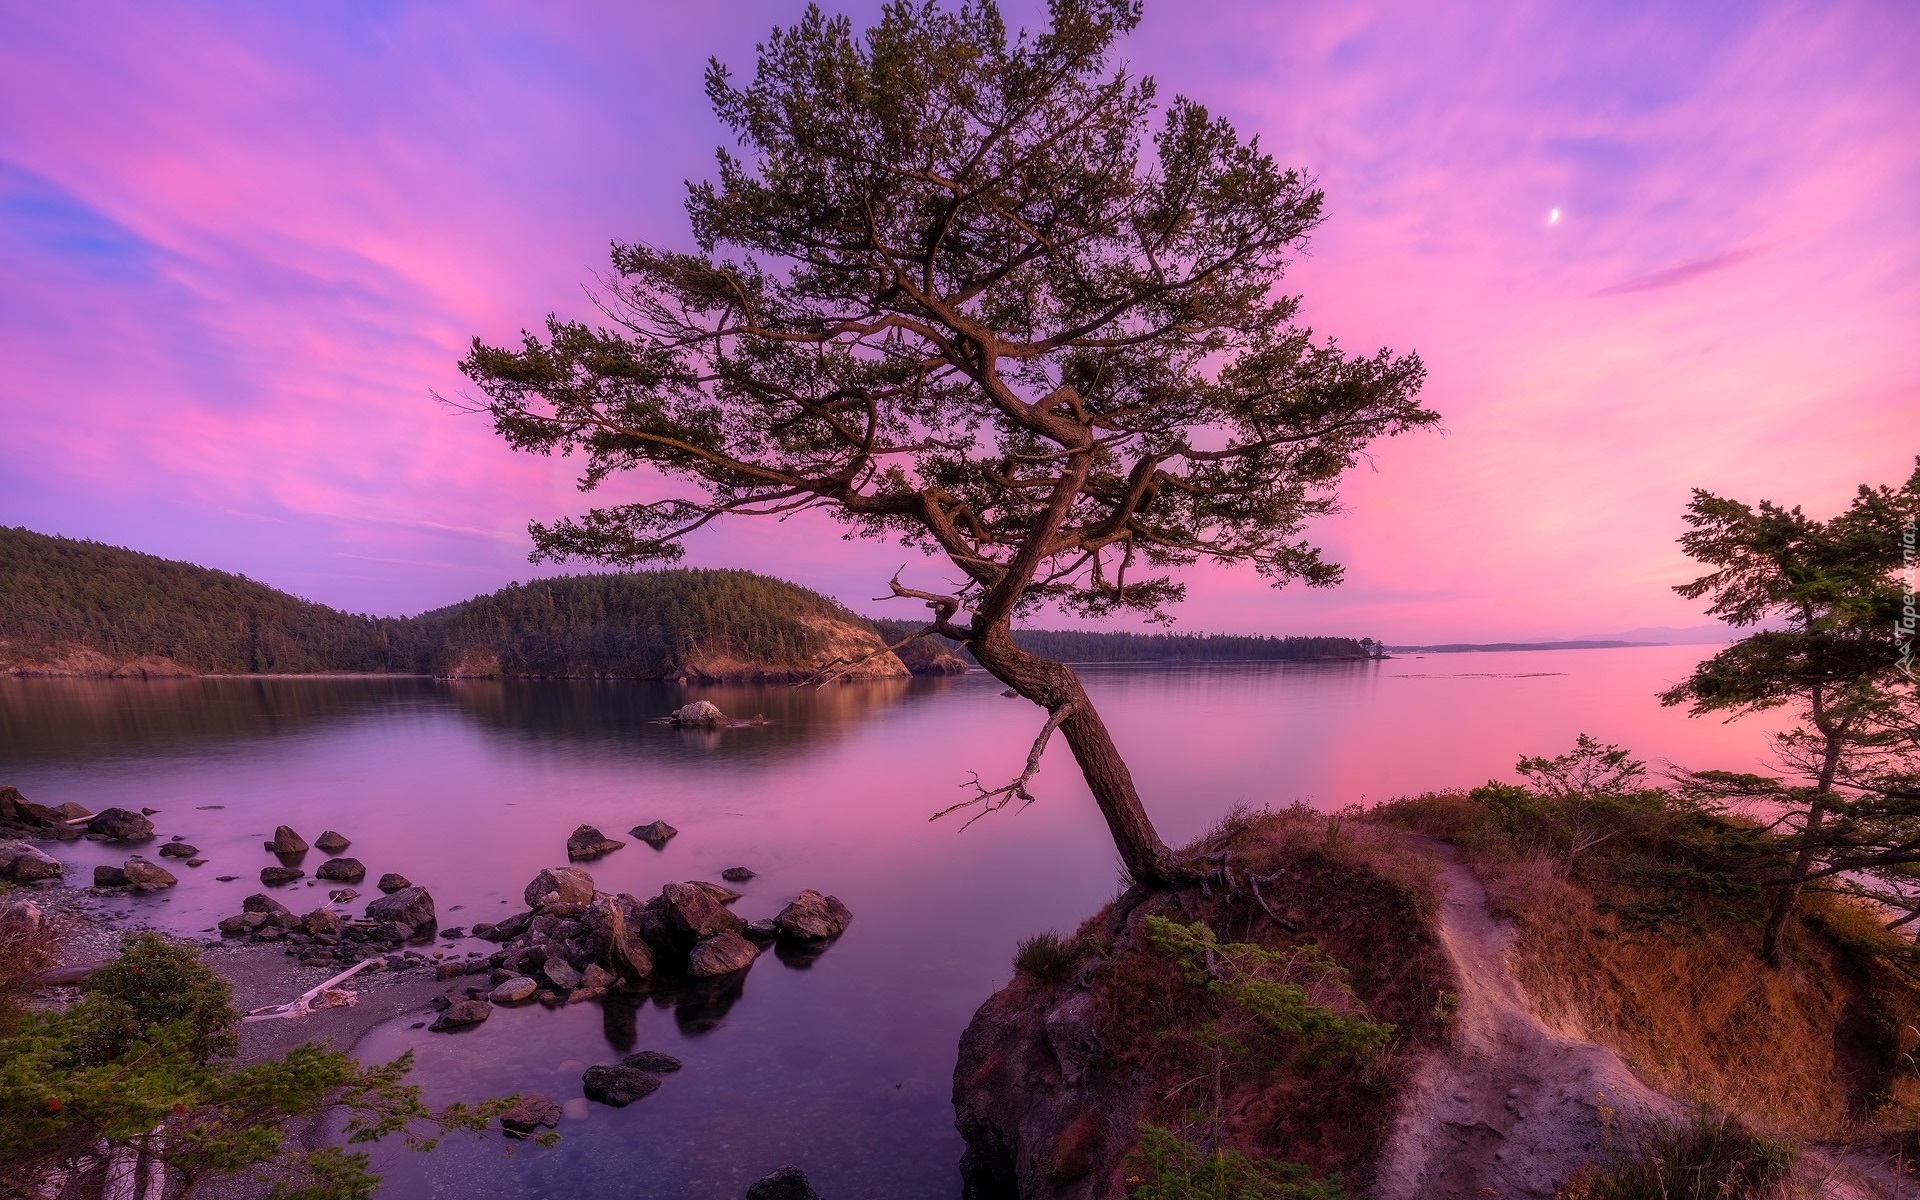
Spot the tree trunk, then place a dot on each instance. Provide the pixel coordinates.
(1051, 684)
(1789, 895)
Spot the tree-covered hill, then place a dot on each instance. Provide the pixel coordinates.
(58, 594)
(1087, 646)
(74, 607)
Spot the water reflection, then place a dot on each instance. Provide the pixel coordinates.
(840, 1065)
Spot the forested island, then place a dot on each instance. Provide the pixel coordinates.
(72, 607)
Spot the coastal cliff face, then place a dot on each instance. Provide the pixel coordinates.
(83, 662)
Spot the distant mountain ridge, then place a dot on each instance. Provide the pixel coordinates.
(78, 608)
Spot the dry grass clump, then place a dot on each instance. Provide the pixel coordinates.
(1046, 957)
(27, 948)
(1646, 946)
(1712, 1157)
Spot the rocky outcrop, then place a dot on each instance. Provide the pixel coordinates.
(1058, 1071)
(22, 863)
(22, 818)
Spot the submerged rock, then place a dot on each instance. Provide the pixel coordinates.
(813, 917)
(286, 841)
(588, 842)
(651, 1060)
(618, 1086)
(530, 1111)
(788, 1183)
(121, 825)
(178, 850)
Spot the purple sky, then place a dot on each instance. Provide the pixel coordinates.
(242, 244)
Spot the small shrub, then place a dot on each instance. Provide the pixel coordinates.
(1045, 957)
(26, 949)
(1709, 1158)
(1170, 1167)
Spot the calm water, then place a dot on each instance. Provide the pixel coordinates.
(841, 1067)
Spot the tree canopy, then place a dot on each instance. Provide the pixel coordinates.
(959, 288)
(1837, 592)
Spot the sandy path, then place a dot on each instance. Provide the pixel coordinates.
(1510, 1107)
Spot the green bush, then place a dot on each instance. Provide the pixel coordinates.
(1171, 1167)
(143, 1061)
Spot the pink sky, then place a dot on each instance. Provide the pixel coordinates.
(241, 245)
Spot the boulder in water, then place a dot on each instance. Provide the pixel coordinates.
(721, 954)
(514, 990)
(286, 841)
(813, 917)
(558, 885)
(737, 874)
(618, 927)
(655, 833)
(106, 875)
(618, 1086)
(411, 907)
(693, 913)
(392, 882)
(460, 1014)
(331, 842)
(701, 714)
(341, 870)
(275, 876)
(120, 825)
(788, 1183)
(530, 1111)
(588, 842)
(145, 876)
(178, 850)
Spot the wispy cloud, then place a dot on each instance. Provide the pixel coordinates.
(1684, 273)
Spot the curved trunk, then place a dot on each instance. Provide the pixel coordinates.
(1051, 684)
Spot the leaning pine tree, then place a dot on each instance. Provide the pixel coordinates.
(950, 292)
